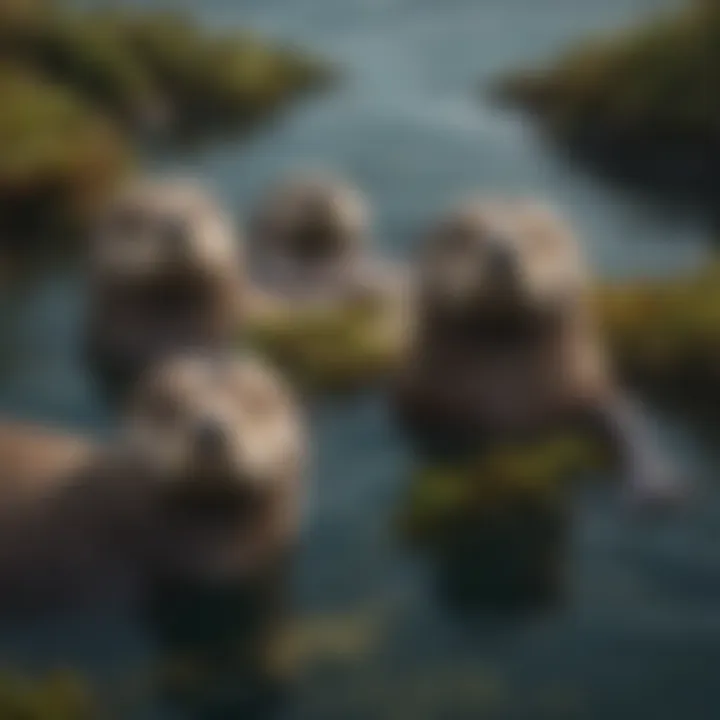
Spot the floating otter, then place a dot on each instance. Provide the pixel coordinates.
(201, 488)
(166, 274)
(505, 345)
(311, 242)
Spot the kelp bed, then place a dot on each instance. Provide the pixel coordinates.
(663, 335)
(333, 348)
(512, 479)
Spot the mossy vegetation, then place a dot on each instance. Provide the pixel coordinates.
(56, 696)
(333, 348)
(649, 91)
(83, 91)
(495, 528)
(515, 478)
(664, 334)
(56, 155)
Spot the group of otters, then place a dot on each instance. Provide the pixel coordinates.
(203, 481)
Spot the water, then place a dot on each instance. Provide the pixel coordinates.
(639, 635)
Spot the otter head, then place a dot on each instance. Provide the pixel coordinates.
(311, 221)
(165, 250)
(501, 264)
(219, 446)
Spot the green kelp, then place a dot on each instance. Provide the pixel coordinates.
(333, 348)
(59, 695)
(56, 155)
(507, 479)
(495, 530)
(664, 334)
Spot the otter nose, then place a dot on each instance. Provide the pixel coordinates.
(209, 437)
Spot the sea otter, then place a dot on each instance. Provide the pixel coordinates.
(201, 487)
(506, 346)
(310, 243)
(166, 274)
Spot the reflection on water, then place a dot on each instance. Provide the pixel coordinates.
(515, 562)
(218, 647)
(409, 127)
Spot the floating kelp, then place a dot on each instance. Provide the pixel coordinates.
(58, 695)
(664, 334)
(504, 478)
(224, 655)
(495, 529)
(331, 348)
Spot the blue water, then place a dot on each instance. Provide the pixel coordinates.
(639, 633)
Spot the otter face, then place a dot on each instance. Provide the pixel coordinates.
(311, 221)
(492, 260)
(214, 425)
(157, 232)
(218, 447)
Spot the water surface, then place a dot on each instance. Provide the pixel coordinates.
(639, 634)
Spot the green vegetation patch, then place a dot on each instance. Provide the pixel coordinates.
(153, 67)
(658, 79)
(505, 480)
(82, 89)
(336, 348)
(204, 77)
(56, 154)
(57, 696)
(665, 333)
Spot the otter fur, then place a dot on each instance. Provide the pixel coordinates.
(310, 242)
(166, 273)
(202, 486)
(505, 345)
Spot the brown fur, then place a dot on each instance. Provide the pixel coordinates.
(505, 345)
(166, 274)
(79, 520)
(59, 510)
(509, 358)
(491, 389)
(287, 219)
